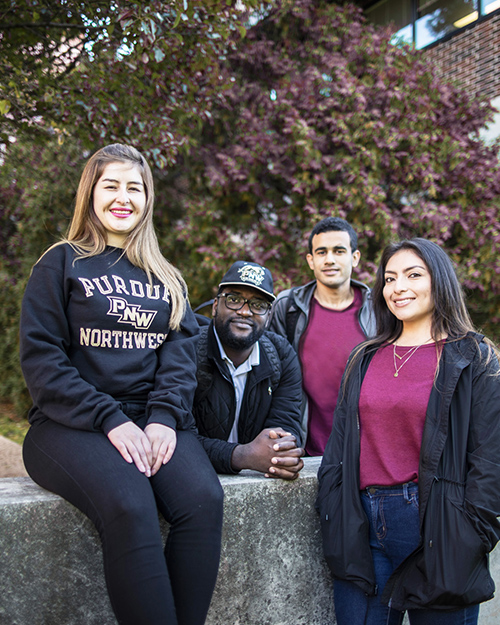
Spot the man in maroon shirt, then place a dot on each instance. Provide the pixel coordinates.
(324, 320)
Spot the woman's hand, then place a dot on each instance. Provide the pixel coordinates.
(163, 441)
(133, 445)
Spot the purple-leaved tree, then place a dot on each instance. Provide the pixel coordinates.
(326, 116)
(256, 129)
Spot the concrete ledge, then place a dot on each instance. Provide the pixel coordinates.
(272, 570)
(271, 573)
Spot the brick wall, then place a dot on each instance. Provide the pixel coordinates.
(472, 57)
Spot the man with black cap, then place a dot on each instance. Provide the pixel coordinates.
(247, 404)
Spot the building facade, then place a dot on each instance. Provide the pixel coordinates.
(461, 37)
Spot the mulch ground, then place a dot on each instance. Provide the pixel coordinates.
(11, 462)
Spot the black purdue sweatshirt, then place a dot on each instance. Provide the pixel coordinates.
(95, 334)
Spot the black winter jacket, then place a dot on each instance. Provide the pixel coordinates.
(271, 398)
(459, 494)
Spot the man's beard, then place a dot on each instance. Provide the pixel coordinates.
(239, 343)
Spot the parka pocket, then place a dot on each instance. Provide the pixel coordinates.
(331, 478)
(329, 506)
(454, 556)
(344, 529)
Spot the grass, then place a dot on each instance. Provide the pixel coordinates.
(12, 427)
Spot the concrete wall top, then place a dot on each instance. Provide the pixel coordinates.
(272, 570)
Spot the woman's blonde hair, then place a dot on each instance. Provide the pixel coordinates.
(88, 236)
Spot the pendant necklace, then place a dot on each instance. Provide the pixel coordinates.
(405, 358)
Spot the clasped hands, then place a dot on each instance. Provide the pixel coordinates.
(148, 449)
(274, 452)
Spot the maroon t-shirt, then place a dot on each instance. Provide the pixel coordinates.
(325, 346)
(392, 414)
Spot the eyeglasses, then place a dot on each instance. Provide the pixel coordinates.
(236, 302)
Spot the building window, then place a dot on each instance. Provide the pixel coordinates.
(438, 18)
(423, 22)
(491, 132)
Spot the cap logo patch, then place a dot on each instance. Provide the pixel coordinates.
(255, 275)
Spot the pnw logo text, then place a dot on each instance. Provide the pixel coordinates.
(132, 314)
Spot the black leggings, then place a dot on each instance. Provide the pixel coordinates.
(146, 584)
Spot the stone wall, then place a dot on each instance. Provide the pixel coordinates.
(272, 571)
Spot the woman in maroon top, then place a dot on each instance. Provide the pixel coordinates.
(408, 492)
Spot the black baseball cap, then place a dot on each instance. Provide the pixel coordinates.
(250, 274)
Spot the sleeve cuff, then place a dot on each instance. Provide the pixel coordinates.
(164, 418)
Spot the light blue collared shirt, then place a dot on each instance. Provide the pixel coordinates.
(239, 377)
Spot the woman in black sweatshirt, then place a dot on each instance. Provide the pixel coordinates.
(108, 349)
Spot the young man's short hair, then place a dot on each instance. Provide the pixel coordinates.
(334, 224)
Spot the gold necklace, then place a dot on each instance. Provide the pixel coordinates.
(406, 357)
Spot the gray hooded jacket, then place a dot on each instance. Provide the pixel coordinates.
(290, 316)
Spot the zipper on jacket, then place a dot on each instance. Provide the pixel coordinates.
(365, 296)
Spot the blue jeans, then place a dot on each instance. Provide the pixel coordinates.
(394, 533)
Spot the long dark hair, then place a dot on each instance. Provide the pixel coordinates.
(450, 316)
